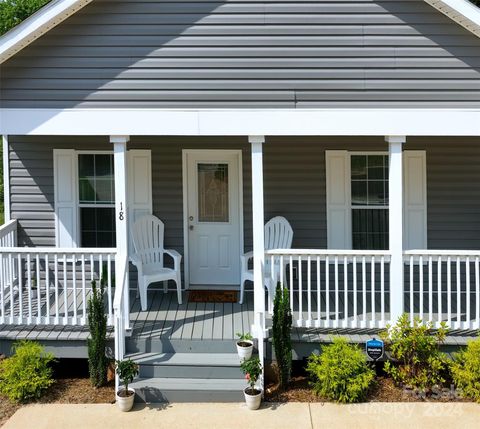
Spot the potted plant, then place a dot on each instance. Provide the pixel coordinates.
(244, 346)
(127, 370)
(252, 370)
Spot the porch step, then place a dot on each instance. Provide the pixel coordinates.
(189, 365)
(154, 390)
(168, 345)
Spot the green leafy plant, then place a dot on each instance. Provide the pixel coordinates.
(281, 334)
(127, 370)
(466, 370)
(97, 324)
(244, 336)
(252, 368)
(341, 372)
(415, 347)
(27, 373)
(13, 12)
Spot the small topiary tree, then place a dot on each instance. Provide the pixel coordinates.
(281, 330)
(126, 370)
(27, 373)
(416, 349)
(341, 372)
(97, 324)
(466, 370)
(252, 368)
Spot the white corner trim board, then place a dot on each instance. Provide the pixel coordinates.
(234, 122)
(39, 23)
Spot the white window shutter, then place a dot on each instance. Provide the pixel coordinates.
(65, 190)
(339, 229)
(415, 199)
(139, 178)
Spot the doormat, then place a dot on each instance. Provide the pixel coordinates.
(212, 296)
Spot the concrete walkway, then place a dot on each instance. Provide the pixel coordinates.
(274, 416)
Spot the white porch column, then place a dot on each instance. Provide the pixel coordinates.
(6, 180)
(395, 192)
(121, 213)
(258, 242)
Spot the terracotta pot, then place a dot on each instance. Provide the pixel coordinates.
(253, 401)
(244, 352)
(125, 403)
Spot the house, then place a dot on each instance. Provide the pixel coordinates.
(359, 122)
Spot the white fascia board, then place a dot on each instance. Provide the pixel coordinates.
(39, 23)
(461, 11)
(231, 122)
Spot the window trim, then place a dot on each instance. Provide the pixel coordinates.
(77, 190)
(349, 176)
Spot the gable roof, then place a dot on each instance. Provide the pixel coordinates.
(461, 11)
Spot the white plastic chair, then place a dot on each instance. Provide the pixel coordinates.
(278, 235)
(148, 235)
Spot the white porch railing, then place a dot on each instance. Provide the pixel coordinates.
(51, 286)
(443, 285)
(333, 288)
(8, 234)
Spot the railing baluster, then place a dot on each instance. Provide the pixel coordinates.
(20, 289)
(84, 290)
(420, 289)
(327, 292)
(74, 288)
(29, 288)
(345, 291)
(309, 291)
(281, 272)
(47, 288)
(439, 283)
(291, 282)
(412, 308)
(355, 298)
(300, 297)
(2, 287)
(39, 291)
(109, 288)
(12, 296)
(336, 292)
(372, 291)
(57, 297)
(430, 290)
(364, 291)
(319, 295)
(382, 291)
(467, 275)
(449, 290)
(459, 297)
(65, 291)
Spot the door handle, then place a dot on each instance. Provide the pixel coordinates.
(191, 227)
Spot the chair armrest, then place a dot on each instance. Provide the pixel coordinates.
(177, 258)
(135, 260)
(244, 260)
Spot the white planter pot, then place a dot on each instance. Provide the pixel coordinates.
(253, 401)
(125, 403)
(245, 352)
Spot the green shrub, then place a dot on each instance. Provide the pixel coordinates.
(416, 348)
(97, 324)
(126, 370)
(340, 372)
(27, 373)
(252, 368)
(466, 370)
(281, 334)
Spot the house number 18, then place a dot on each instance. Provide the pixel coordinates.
(121, 215)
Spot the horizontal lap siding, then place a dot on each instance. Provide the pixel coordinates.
(294, 174)
(292, 54)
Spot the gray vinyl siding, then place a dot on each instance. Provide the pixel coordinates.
(239, 54)
(294, 174)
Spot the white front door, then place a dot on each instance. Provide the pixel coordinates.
(213, 217)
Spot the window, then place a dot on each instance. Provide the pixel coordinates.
(369, 201)
(96, 188)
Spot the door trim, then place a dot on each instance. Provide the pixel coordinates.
(185, 153)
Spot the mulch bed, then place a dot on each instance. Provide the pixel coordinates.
(65, 391)
(384, 390)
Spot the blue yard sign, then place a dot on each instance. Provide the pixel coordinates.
(375, 349)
